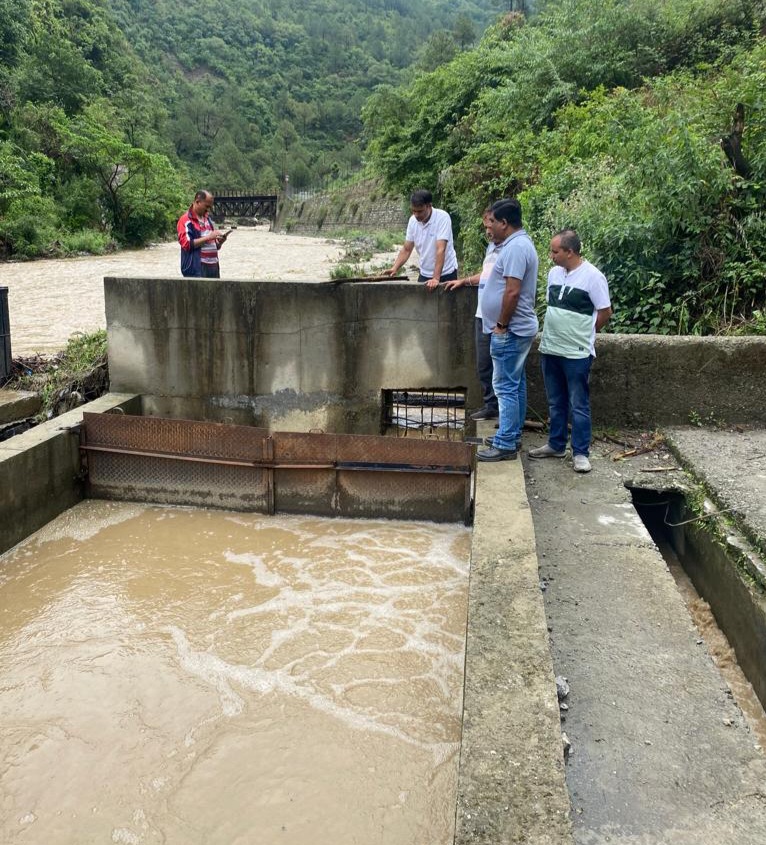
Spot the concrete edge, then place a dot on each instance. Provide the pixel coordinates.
(511, 781)
(40, 469)
(750, 533)
(18, 404)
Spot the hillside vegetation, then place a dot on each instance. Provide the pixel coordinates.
(256, 88)
(640, 123)
(112, 110)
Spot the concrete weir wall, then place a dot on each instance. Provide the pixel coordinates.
(640, 380)
(303, 355)
(293, 356)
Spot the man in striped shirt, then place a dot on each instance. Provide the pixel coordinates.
(199, 239)
(578, 307)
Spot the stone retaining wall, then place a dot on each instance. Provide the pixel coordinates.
(363, 206)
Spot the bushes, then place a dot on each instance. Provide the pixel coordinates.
(85, 241)
(559, 113)
(29, 226)
(76, 176)
(677, 231)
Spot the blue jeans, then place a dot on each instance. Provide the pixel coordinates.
(509, 381)
(568, 390)
(484, 365)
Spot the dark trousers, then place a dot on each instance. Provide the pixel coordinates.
(211, 271)
(484, 365)
(445, 277)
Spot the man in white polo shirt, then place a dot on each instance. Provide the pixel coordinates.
(429, 232)
(578, 307)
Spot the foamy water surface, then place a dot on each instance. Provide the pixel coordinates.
(185, 676)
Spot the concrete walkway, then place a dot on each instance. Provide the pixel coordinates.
(511, 785)
(660, 752)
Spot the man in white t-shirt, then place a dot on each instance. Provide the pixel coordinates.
(429, 232)
(578, 306)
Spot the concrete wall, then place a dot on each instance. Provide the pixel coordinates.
(40, 470)
(297, 356)
(288, 355)
(640, 380)
(511, 784)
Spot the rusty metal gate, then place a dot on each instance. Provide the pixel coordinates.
(167, 461)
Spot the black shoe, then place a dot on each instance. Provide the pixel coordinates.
(485, 414)
(493, 454)
(490, 441)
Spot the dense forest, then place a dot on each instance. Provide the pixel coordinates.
(111, 110)
(639, 122)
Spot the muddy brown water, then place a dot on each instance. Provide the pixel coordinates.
(53, 299)
(182, 676)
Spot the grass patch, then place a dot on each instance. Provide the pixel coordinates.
(347, 271)
(70, 378)
(359, 248)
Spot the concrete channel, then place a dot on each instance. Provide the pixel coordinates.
(661, 753)
(511, 778)
(564, 581)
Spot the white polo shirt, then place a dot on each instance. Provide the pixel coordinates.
(425, 236)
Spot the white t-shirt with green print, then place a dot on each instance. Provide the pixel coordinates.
(573, 298)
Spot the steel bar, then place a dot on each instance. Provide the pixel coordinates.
(271, 464)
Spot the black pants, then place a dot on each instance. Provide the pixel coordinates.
(484, 367)
(446, 277)
(211, 271)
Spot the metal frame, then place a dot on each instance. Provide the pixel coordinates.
(245, 468)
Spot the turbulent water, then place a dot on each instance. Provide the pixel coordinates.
(181, 676)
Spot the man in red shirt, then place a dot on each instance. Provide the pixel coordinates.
(199, 239)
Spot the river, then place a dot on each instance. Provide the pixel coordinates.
(49, 300)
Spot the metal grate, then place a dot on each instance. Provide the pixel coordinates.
(241, 468)
(425, 413)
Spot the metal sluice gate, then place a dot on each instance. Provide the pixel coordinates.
(206, 464)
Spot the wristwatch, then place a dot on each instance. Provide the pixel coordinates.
(501, 325)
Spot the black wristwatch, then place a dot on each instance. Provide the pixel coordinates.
(501, 325)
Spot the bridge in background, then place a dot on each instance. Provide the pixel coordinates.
(244, 204)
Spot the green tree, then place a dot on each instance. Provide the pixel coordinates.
(438, 50)
(464, 32)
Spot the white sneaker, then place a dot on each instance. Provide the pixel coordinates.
(581, 463)
(546, 451)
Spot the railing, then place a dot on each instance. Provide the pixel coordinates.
(241, 203)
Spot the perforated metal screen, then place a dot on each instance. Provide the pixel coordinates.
(186, 462)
